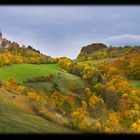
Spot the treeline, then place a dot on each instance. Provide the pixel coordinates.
(99, 51)
(14, 54)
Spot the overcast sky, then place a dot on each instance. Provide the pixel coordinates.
(63, 30)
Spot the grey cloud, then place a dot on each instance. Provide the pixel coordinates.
(63, 30)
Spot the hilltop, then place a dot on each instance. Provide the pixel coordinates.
(99, 51)
(13, 53)
(93, 47)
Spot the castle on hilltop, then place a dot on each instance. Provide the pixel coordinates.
(1, 39)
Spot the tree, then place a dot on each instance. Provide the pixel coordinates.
(20, 89)
(87, 91)
(10, 84)
(135, 127)
(111, 98)
(80, 117)
(112, 124)
(65, 63)
(84, 77)
(98, 109)
(31, 95)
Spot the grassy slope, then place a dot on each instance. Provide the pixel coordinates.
(22, 72)
(19, 118)
(16, 116)
(62, 81)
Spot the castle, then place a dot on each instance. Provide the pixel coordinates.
(1, 39)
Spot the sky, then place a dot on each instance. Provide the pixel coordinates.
(63, 30)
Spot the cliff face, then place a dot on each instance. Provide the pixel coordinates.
(93, 47)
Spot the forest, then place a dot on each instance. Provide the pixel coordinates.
(98, 92)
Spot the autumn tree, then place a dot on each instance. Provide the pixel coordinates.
(65, 63)
(112, 124)
(87, 91)
(98, 108)
(80, 117)
(62, 103)
(13, 86)
(135, 127)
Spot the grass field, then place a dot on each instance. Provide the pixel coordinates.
(22, 72)
(16, 116)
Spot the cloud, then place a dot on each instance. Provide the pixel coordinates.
(63, 30)
(124, 39)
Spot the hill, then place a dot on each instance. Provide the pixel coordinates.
(13, 53)
(93, 47)
(17, 116)
(98, 92)
(23, 72)
(88, 50)
(100, 51)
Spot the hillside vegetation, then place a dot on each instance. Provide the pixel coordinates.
(99, 92)
(113, 94)
(97, 51)
(23, 72)
(17, 116)
(13, 53)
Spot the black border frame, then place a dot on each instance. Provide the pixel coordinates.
(72, 3)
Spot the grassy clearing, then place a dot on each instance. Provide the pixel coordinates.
(63, 81)
(16, 116)
(136, 84)
(22, 72)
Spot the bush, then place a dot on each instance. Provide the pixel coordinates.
(111, 98)
(87, 91)
(39, 79)
(75, 88)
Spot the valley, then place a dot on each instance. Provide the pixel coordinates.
(59, 95)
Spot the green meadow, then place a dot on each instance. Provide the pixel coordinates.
(23, 72)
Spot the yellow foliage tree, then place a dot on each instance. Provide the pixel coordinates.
(31, 95)
(84, 77)
(135, 127)
(20, 89)
(87, 91)
(112, 124)
(79, 114)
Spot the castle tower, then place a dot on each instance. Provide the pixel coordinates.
(1, 37)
